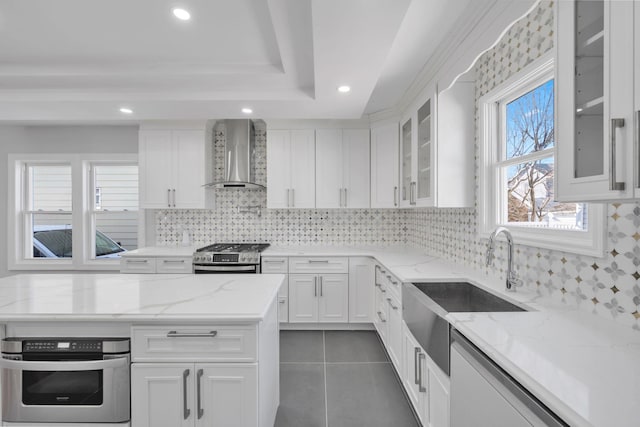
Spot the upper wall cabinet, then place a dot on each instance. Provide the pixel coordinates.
(384, 166)
(291, 169)
(171, 168)
(342, 168)
(594, 104)
(437, 145)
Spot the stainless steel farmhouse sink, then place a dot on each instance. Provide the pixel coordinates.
(425, 306)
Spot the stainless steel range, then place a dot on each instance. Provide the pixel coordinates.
(228, 258)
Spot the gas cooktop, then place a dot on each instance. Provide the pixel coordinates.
(229, 253)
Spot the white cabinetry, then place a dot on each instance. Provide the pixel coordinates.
(361, 289)
(342, 168)
(437, 145)
(388, 320)
(384, 166)
(279, 265)
(319, 298)
(171, 168)
(426, 385)
(291, 169)
(594, 124)
(186, 394)
(156, 265)
(205, 375)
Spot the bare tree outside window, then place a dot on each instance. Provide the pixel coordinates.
(529, 163)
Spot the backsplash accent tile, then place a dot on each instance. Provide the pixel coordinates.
(606, 286)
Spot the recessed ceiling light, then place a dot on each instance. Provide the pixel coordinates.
(126, 110)
(181, 14)
(344, 89)
(247, 110)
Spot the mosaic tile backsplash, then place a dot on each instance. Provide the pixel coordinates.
(606, 286)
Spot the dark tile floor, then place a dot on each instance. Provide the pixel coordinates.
(339, 379)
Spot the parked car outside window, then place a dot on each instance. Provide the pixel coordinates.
(54, 241)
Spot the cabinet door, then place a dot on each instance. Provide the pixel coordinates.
(226, 395)
(406, 164)
(384, 167)
(303, 298)
(329, 161)
(410, 351)
(381, 315)
(361, 290)
(438, 395)
(278, 169)
(162, 395)
(188, 154)
(636, 107)
(156, 167)
(356, 163)
(394, 330)
(303, 168)
(423, 192)
(594, 71)
(333, 298)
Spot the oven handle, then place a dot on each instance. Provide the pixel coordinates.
(225, 268)
(89, 365)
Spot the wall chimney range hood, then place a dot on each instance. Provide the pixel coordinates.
(239, 155)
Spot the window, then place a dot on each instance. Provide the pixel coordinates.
(517, 150)
(72, 212)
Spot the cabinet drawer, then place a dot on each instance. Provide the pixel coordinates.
(173, 265)
(388, 281)
(214, 343)
(275, 265)
(137, 265)
(318, 265)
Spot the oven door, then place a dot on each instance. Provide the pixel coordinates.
(67, 390)
(226, 269)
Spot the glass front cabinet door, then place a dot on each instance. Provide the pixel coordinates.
(594, 104)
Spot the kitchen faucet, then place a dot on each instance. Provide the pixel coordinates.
(512, 278)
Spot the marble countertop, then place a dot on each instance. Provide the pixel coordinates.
(133, 297)
(584, 368)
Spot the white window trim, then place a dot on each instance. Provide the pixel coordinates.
(81, 226)
(590, 242)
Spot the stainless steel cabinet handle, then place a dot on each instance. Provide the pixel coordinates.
(176, 334)
(383, 289)
(416, 352)
(137, 261)
(315, 286)
(273, 261)
(378, 285)
(345, 198)
(173, 261)
(174, 197)
(186, 410)
(282, 301)
(614, 185)
(288, 197)
(320, 278)
(421, 387)
(293, 197)
(318, 261)
(382, 319)
(395, 196)
(199, 401)
(395, 307)
(168, 197)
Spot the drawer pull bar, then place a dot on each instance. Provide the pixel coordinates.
(274, 261)
(199, 387)
(176, 334)
(173, 261)
(395, 307)
(318, 261)
(185, 407)
(137, 261)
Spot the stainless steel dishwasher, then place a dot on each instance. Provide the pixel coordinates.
(484, 395)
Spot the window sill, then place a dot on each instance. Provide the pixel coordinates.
(57, 265)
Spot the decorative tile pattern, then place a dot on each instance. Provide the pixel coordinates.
(606, 286)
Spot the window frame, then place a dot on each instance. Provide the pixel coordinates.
(17, 238)
(491, 111)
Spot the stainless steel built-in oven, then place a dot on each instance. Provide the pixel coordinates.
(228, 258)
(66, 380)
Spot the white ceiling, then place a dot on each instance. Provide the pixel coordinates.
(81, 60)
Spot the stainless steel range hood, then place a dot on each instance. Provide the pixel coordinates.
(239, 154)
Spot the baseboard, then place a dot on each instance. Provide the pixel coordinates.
(326, 326)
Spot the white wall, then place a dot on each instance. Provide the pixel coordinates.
(56, 139)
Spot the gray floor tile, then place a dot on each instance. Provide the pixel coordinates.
(353, 346)
(302, 401)
(366, 395)
(301, 346)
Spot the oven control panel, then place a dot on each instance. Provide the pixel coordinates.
(81, 346)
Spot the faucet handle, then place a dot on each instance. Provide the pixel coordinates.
(490, 255)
